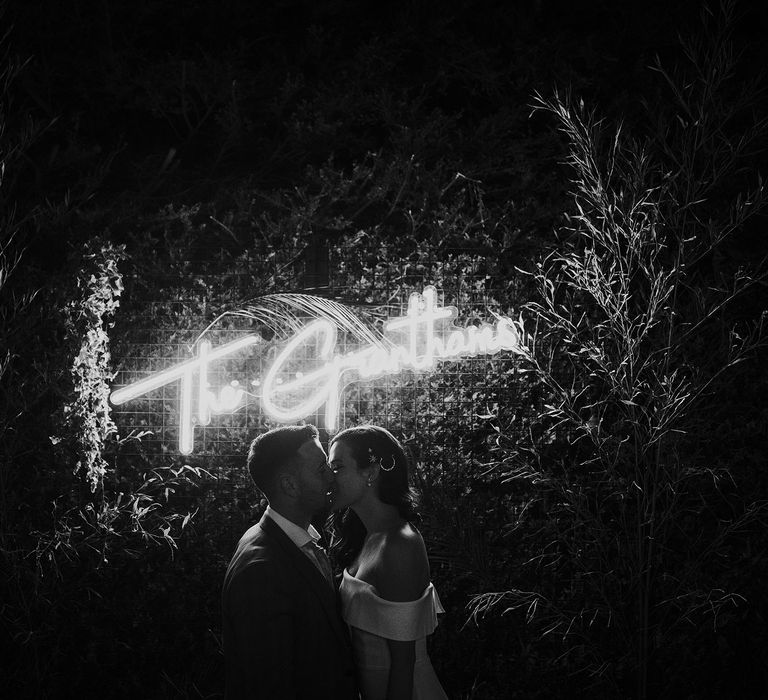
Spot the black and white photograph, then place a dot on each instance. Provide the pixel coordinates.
(406, 350)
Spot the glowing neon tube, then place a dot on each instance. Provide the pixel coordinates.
(120, 396)
(185, 371)
(426, 333)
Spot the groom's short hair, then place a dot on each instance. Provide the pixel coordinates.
(272, 451)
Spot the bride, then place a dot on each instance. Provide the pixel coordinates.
(387, 598)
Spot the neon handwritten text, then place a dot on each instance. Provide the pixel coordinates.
(419, 340)
(429, 338)
(227, 401)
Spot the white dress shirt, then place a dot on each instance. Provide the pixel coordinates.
(300, 537)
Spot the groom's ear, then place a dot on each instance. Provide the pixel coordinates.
(287, 484)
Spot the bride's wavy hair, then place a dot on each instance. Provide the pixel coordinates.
(369, 443)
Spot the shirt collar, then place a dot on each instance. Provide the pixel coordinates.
(298, 535)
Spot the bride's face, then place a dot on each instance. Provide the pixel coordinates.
(351, 482)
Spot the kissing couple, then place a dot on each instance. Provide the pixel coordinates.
(290, 632)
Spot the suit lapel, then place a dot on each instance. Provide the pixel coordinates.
(304, 567)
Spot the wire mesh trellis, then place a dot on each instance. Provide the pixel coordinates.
(447, 417)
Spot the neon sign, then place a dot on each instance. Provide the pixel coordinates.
(423, 337)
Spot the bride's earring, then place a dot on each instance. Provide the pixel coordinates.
(375, 459)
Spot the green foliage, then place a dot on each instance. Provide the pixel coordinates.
(635, 516)
(87, 418)
(561, 489)
(74, 520)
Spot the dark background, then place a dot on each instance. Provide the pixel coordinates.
(142, 102)
(135, 123)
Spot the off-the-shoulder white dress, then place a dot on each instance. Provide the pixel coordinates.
(373, 620)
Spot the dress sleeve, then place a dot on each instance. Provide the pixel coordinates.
(402, 622)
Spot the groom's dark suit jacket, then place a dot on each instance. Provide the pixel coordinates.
(283, 633)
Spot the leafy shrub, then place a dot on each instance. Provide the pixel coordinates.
(634, 509)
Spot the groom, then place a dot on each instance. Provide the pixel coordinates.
(283, 632)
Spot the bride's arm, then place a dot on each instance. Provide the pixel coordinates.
(403, 657)
(403, 576)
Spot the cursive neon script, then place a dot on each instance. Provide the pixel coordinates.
(423, 337)
(227, 401)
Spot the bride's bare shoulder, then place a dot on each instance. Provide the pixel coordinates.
(403, 573)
